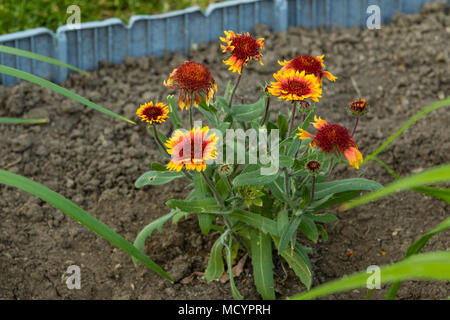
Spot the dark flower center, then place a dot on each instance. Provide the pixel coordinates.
(244, 47)
(153, 112)
(308, 64)
(296, 87)
(333, 136)
(313, 166)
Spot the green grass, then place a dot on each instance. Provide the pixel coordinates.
(19, 15)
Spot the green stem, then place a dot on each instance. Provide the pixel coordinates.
(235, 87)
(291, 124)
(214, 190)
(312, 192)
(356, 125)
(158, 140)
(231, 185)
(266, 112)
(191, 121)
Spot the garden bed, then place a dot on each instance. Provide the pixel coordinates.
(94, 160)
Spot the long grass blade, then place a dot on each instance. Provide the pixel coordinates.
(427, 266)
(423, 112)
(22, 121)
(415, 248)
(52, 86)
(39, 57)
(430, 176)
(75, 212)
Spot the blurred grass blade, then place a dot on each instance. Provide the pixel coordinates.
(422, 113)
(71, 209)
(22, 121)
(52, 86)
(427, 266)
(440, 193)
(415, 248)
(35, 56)
(430, 176)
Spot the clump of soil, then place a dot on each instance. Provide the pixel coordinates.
(94, 160)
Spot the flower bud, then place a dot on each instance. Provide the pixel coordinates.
(225, 170)
(358, 107)
(313, 167)
(304, 107)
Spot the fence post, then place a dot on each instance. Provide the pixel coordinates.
(280, 15)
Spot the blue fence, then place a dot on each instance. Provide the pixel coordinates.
(112, 41)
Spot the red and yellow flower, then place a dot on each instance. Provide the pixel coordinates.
(191, 149)
(153, 113)
(333, 138)
(308, 64)
(243, 48)
(293, 85)
(194, 80)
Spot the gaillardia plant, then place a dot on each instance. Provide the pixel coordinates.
(256, 183)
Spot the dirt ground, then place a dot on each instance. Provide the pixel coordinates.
(94, 160)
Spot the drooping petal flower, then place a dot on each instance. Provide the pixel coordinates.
(194, 80)
(310, 65)
(243, 48)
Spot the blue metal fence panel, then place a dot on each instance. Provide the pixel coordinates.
(112, 41)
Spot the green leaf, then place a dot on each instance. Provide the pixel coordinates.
(156, 166)
(206, 222)
(54, 87)
(155, 178)
(420, 114)
(234, 290)
(206, 205)
(253, 178)
(326, 188)
(335, 199)
(22, 121)
(145, 233)
(39, 57)
(427, 266)
(207, 112)
(282, 221)
(323, 218)
(323, 232)
(75, 212)
(261, 249)
(282, 126)
(297, 264)
(309, 228)
(173, 112)
(163, 139)
(294, 147)
(249, 112)
(255, 220)
(279, 192)
(430, 176)
(215, 267)
(289, 233)
(439, 193)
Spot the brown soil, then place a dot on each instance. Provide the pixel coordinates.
(94, 160)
